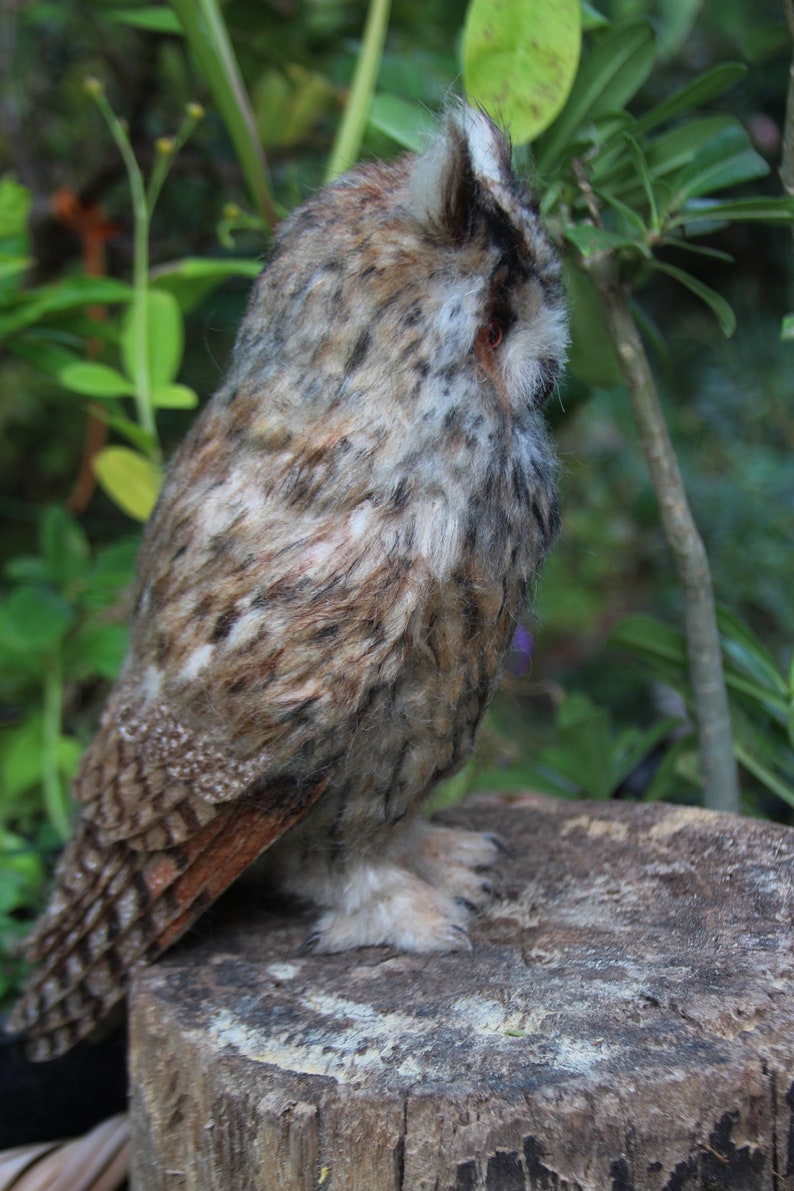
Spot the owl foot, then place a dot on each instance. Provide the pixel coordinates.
(456, 862)
(419, 901)
(387, 905)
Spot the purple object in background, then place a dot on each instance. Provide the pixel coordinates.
(520, 656)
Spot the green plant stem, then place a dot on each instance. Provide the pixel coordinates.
(787, 162)
(715, 741)
(351, 131)
(209, 40)
(51, 734)
(140, 268)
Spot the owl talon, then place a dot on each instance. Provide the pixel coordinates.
(497, 842)
(310, 943)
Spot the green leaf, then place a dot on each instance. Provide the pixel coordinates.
(130, 479)
(646, 635)
(156, 20)
(608, 78)
(520, 59)
(70, 294)
(675, 149)
(716, 303)
(174, 397)
(95, 380)
(113, 570)
(592, 18)
(763, 773)
(21, 757)
(98, 649)
(592, 358)
(676, 18)
(728, 159)
(164, 338)
(695, 94)
(408, 124)
(191, 279)
(34, 619)
(589, 240)
(14, 210)
(65, 547)
(773, 211)
(787, 328)
(746, 650)
(48, 357)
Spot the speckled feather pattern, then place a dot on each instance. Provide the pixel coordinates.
(328, 585)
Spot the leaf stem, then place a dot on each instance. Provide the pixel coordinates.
(351, 130)
(51, 734)
(715, 742)
(140, 268)
(206, 32)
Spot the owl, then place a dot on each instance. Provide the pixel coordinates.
(327, 586)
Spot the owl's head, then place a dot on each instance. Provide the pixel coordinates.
(431, 266)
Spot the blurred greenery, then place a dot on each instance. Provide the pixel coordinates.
(579, 714)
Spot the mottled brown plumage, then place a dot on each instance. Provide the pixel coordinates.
(327, 586)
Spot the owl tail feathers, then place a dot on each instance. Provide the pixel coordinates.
(105, 921)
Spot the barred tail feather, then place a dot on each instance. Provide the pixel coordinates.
(107, 919)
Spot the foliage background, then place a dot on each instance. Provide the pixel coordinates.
(65, 574)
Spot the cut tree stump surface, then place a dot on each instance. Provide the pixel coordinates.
(625, 1023)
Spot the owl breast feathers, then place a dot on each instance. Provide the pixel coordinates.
(327, 586)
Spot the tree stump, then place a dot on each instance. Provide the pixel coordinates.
(625, 1023)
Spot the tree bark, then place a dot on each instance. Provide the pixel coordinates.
(625, 1023)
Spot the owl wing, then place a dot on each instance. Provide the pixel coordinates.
(179, 797)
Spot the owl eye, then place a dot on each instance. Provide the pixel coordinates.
(494, 333)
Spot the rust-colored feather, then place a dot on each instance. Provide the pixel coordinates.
(136, 906)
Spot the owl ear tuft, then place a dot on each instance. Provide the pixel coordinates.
(451, 179)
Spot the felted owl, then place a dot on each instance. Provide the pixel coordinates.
(327, 586)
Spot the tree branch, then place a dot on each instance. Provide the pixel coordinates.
(721, 784)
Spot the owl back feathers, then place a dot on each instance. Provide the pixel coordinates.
(331, 576)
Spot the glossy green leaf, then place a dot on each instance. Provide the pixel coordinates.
(191, 279)
(724, 314)
(787, 328)
(408, 124)
(164, 338)
(695, 94)
(520, 59)
(130, 479)
(609, 76)
(95, 380)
